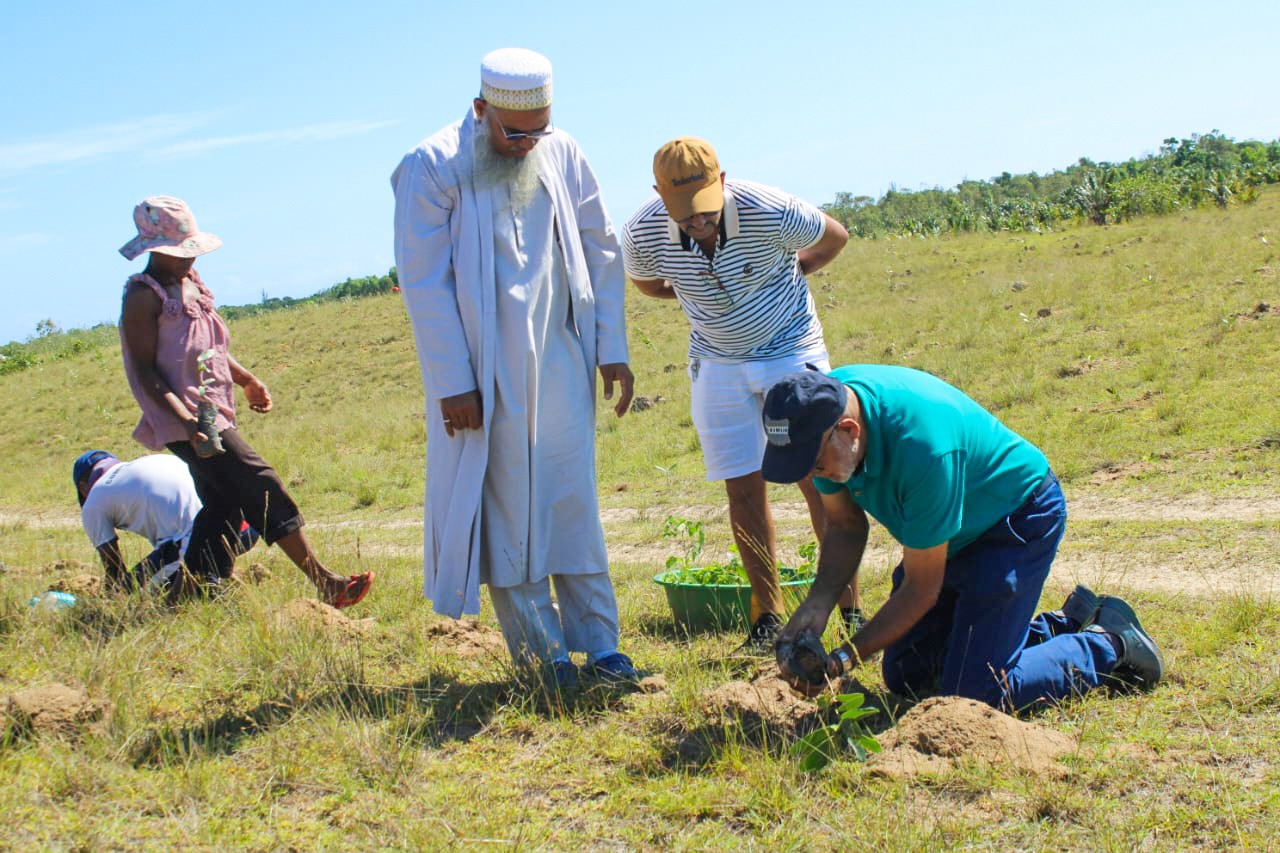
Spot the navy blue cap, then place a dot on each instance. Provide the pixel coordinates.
(83, 467)
(797, 411)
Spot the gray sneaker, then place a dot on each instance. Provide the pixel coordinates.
(1140, 663)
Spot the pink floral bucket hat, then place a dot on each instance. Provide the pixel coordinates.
(167, 226)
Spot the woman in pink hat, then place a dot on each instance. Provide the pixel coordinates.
(168, 327)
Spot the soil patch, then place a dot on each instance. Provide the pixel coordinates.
(936, 735)
(76, 567)
(53, 709)
(250, 575)
(308, 611)
(764, 704)
(467, 638)
(82, 586)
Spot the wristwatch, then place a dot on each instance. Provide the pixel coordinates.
(846, 660)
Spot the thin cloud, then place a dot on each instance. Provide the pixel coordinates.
(158, 135)
(22, 241)
(307, 133)
(99, 141)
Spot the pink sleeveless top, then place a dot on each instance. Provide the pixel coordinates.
(183, 331)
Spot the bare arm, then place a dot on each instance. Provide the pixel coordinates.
(922, 571)
(834, 236)
(843, 543)
(656, 287)
(138, 323)
(254, 390)
(113, 562)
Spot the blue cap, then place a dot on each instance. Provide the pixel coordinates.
(797, 411)
(83, 467)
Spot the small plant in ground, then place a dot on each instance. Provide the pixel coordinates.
(821, 746)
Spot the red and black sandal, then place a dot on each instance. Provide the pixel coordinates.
(355, 590)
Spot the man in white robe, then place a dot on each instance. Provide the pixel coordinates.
(512, 276)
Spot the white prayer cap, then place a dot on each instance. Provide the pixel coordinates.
(512, 78)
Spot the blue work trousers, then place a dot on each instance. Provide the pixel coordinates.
(980, 641)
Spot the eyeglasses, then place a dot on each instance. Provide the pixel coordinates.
(723, 298)
(517, 135)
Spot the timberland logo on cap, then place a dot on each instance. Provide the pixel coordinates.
(679, 182)
(778, 430)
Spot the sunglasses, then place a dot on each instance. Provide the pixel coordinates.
(516, 135)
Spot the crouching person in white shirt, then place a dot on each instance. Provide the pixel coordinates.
(152, 496)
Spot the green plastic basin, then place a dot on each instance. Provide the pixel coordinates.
(718, 607)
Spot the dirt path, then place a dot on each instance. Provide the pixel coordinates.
(1129, 570)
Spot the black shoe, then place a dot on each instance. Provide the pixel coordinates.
(1081, 607)
(1140, 662)
(763, 635)
(853, 620)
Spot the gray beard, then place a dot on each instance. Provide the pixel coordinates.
(518, 174)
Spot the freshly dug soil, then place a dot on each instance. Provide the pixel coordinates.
(467, 638)
(765, 703)
(53, 709)
(936, 735)
(308, 611)
(250, 575)
(81, 586)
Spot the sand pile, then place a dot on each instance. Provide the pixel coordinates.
(936, 735)
(250, 575)
(467, 638)
(81, 586)
(308, 611)
(765, 703)
(53, 709)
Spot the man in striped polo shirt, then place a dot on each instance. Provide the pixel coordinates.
(735, 254)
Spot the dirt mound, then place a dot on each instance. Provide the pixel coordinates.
(77, 567)
(765, 703)
(54, 709)
(250, 575)
(308, 611)
(939, 733)
(79, 585)
(467, 638)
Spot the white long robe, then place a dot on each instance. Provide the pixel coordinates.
(445, 256)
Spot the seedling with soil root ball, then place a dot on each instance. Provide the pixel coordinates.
(206, 411)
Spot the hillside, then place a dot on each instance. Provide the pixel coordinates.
(1156, 353)
(1141, 357)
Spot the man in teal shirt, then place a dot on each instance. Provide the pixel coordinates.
(979, 515)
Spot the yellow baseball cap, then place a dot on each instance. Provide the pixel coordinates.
(688, 177)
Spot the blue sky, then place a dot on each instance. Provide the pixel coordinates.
(280, 122)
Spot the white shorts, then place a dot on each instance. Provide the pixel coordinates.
(727, 401)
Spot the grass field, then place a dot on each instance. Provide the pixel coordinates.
(1142, 358)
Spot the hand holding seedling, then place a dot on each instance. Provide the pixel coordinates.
(804, 663)
(204, 437)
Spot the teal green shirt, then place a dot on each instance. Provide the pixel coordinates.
(938, 467)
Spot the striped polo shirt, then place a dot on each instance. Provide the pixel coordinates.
(750, 302)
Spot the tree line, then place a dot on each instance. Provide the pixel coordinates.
(51, 343)
(1186, 173)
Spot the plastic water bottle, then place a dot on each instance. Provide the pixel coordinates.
(53, 600)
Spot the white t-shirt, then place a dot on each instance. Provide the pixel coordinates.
(152, 496)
